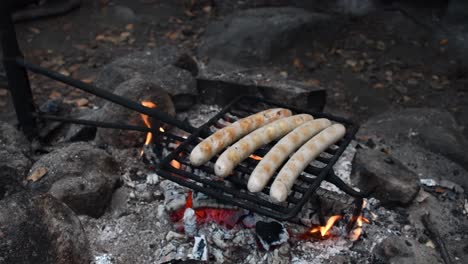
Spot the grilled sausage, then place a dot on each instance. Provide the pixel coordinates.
(248, 144)
(275, 157)
(299, 161)
(222, 138)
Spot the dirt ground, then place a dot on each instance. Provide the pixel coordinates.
(368, 64)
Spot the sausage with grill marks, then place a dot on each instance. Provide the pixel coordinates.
(304, 156)
(248, 144)
(280, 152)
(224, 137)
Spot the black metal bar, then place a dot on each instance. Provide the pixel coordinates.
(18, 82)
(97, 123)
(335, 180)
(120, 100)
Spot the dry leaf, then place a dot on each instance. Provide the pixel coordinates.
(378, 86)
(37, 174)
(207, 9)
(34, 30)
(312, 82)
(54, 95)
(173, 35)
(443, 42)
(82, 102)
(129, 27)
(298, 64)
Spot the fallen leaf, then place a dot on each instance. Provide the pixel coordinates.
(189, 13)
(298, 64)
(439, 190)
(81, 102)
(172, 35)
(54, 95)
(207, 9)
(34, 30)
(88, 80)
(378, 86)
(129, 27)
(351, 63)
(443, 42)
(312, 82)
(37, 174)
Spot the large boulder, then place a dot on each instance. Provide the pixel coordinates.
(392, 182)
(220, 82)
(155, 66)
(37, 228)
(422, 136)
(80, 175)
(256, 35)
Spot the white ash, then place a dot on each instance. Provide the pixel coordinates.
(152, 179)
(199, 114)
(103, 259)
(174, 195)
(190, 222)
(174, 235)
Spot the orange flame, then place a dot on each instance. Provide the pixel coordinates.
(356, 232)
(145, 118)
(324, 229)
(255, 157)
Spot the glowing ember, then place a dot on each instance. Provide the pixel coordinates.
(255, 157)
(175, 164)
(323, 230)
(145, 118)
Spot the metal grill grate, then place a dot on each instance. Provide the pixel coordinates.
(233, 189)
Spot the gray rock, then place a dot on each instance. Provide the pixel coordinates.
(36, 228)
(256, 35)
(393, 182)
(155, 66)
(220, 82)
(124, 14)
(137, 90)
(403, 250)
(432, 129)
(80, 175)
(14, 150)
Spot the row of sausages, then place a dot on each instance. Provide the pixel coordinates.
(300, 135)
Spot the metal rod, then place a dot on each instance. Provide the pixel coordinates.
(97, 123)
(120, 100)
(18, 82)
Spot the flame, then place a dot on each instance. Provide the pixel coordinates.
(356, 232)
(145, 118)
(255, 157)
(324, 229)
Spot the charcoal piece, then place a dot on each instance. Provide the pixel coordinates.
(271, 233)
